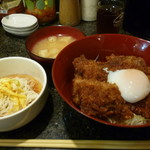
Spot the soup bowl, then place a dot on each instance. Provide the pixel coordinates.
(46, 32)
(95, 46)
(22, 65)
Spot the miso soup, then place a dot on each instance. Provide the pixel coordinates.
(51, 46)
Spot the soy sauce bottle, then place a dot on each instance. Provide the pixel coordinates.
(109, 16)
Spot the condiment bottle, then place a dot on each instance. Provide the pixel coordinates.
(44, 10)
(69, 12)
(10, 7)
(89, 10)
(110, 16)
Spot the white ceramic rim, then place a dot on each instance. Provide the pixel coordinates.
(43, 87)
(22, 29)
(25, 20)
(20, 33)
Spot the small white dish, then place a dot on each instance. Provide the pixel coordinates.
(19, 20)
(20, 33)
(22, 29)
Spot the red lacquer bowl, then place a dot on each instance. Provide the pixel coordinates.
(92, 46)
(46, 32)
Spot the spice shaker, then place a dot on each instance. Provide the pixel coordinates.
(69, 12)
(89, 10)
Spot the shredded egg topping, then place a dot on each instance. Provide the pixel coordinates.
(15, 94)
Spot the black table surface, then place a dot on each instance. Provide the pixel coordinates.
(57, 120)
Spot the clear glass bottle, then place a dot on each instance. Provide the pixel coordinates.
(69, 12)
(10, 7)
(110, 16)
(44, 10)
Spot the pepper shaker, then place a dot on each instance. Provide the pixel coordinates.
(89, 10)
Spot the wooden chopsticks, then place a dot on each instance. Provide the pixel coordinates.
(82, 144)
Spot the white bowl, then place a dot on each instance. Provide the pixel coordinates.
(22, 65)
(19, 20)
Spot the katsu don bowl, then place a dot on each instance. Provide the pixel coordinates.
(106, 78)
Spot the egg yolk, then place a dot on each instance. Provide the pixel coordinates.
(133, 84)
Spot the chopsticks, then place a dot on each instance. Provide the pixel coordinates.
(82, 144)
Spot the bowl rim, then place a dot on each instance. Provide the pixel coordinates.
(22, 33)
(4, 21)
(21, 30)
(44, 28)
(39, 95)
(73, 105)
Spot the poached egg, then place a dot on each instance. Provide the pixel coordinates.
(133, 84)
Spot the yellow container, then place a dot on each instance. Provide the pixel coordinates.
(69, 12)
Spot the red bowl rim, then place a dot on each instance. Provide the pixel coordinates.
(44, 28)
(78, 110)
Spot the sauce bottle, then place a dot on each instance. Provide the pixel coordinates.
(10, 7)
(110, 16)
(69, 12)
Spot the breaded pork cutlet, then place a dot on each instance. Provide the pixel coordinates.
(100, 99)
(95, 96)
(126, 62)
(89, 69)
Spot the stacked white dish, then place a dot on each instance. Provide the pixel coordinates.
(20, 24)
